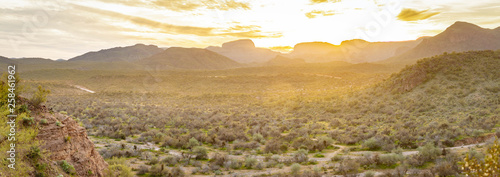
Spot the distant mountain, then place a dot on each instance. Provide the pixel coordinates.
(353, 51)
(244, 51)
(314, 52)
(282, 61)
(34, 60)
(6, 60)
(130, 53)
(459, 37)
(189, 58)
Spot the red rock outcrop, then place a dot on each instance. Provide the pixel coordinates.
(68, 141)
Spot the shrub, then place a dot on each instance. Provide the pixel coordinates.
(158, 171)
(142, 170)
(295, 169)
(28, 121)
(336, 158)
(66, 167)
(170, 160)
(39, 96)
(369, 174)
(319, 155)
(372, 144)
(200, 152)
(43, 122)
(58, 123)
(429, 152)
(300, 156)
(67, 139)
(177, 171)
(348, 166)
(390, 160)
(250, 162)
(119, 170)
(219, 159)
(272, 146)
(34, 153)
(192, 143)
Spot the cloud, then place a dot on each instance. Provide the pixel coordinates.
(249, 31)
(415, 15)
(315, 13)
(282, 48)
(324, 1)
(185, 5)
(252, 31)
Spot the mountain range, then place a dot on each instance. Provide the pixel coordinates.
(129, 53)
(461, 36)
(189, 58)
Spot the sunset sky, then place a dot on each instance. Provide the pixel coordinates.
(63, 29)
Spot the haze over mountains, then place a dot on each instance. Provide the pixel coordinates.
(461, 36)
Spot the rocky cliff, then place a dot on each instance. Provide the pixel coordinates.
(65, 139)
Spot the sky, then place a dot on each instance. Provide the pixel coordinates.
(62, 29)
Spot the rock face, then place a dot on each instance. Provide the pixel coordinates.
(68, 141)
(244, 51)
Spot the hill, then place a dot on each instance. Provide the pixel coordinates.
(441, 99)
(189, 58)
(469, 67)
(459, 37)
(353, 51)
(129, 54)
(34, 61)
(244, 51)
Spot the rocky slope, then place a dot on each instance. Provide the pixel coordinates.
(68, 141)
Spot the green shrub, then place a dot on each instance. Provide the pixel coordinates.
(28, 121)
(66, 167)
(34, 153)
(200, 152)
(319, 155)
(429, 152)
(372, 144)
(43, 121)
(67, 139)
(295, 169)
(250, 162)
(369, 174)
(39, 96)
(119, 170)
